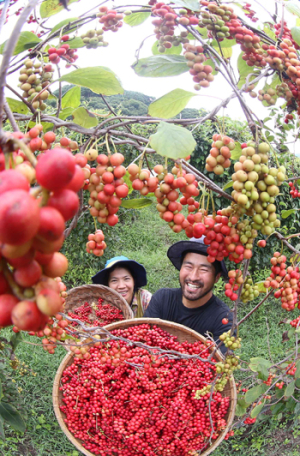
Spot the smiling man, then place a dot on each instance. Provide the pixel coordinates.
(193, 304)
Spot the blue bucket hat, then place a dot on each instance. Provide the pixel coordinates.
(177, 251)
(136, 269)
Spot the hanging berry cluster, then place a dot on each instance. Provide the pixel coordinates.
(96, 244)
(219, 154)
(294, 192)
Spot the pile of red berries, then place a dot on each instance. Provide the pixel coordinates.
(100, 314)
(143, 402)
(294, 192)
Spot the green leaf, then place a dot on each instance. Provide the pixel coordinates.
(241, 407)
(268, 31)
(297, 373)
(293, 7)
(172, 141)
(297, 383)
(171, 104)
(237, 151)
(257, 409)
(228, 185)
(243, 70)
(66, 113)
(255, 392)
(225, 51)
(2, 435)
(71, 98)
(76, 43)
(295, 31)
(1, 391)
(16, 339)
(47, 126)
(12, 416)
(192, 5)
(27, 40)
(290, 389)
(64, 23)
(50, 7)
(127, 181)
(85, 118)
(137, 203)
(286, 214)
(99, 79)
(261, 287)
(224, 44)
(159, 66)
(17, 106)
(174, 50)
(136, 19)
(261, 366)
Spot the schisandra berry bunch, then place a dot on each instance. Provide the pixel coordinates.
(96, 244)
(250, 291)
(249, 420)
(235, 281)
(286, 279)
(202, 74)
(64, 51)
(100, 314)
(294, 192)
(250, 13)
(219, 154)
(231, 342)
(294, 323)
(34, 79)
(111, 19)
(143, 402)
(106, 186)
(93, 39)
(30, 242)
(215, 19)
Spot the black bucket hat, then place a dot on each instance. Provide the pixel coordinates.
(177, 250)
(137, 270)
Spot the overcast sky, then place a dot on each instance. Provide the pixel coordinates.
(120, 55)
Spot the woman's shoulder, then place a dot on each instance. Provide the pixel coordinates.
(145, 294)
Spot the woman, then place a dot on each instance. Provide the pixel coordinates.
(126, 277)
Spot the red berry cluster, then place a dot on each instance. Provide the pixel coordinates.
(279, 385)
(111, 19)
(96, 314)
(219, 154)
(202, 74)
(288, 117)
(286, 279)
(96, 244)
(235, 281)
(228, 435)
(54, 331)
(291, 369)
(250, 13)
(249, 420)
(142, 402)
(63, 51)
(294, 192)
(286, 33)
(30, 239)
(294, 323)
(106, 186)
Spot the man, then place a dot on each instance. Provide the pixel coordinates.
(194, 304)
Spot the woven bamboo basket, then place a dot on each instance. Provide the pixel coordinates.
(91, 293)
(183, 334)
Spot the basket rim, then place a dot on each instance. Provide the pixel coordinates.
(135, 322)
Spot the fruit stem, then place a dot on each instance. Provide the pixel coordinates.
(107, 145)
(45, 197)
(16, 289)
(95, 223)
(166, 165)
(212, 202)
(114, 145)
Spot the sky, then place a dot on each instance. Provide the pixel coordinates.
(120, 55)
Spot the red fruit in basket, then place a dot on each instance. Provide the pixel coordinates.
(7, 303)
(13, 180)
(49, 302)
(55, 169)
(27, 317)
(57, 266)
(19, 217)
(66, 202)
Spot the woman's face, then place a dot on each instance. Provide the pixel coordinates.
(121, 280)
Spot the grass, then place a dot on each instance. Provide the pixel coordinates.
(146, 238)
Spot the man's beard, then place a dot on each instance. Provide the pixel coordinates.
(202, 291)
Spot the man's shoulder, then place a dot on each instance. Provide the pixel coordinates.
(220, 304)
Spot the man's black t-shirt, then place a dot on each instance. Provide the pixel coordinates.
(167, 305)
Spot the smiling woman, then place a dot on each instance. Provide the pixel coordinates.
(126, 277)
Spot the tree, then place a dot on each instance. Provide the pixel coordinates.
(44, 189)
